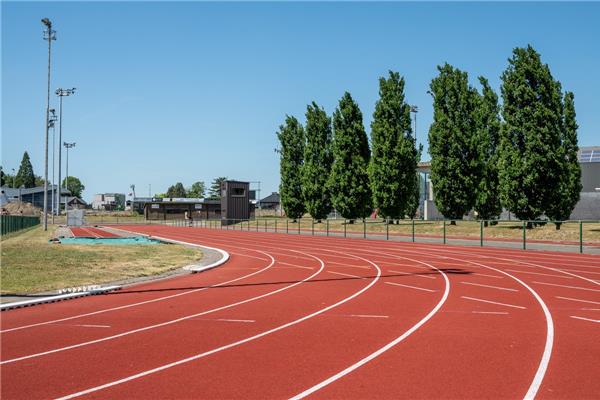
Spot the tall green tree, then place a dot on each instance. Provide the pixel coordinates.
(453, 143)
(2, 182)
(73, 185)
(349, 179)
(291, 139)
(197, 190)
(25, 176)
(569, 187)
(414, 198)
(317, 162)
(487, 203)
(215, 187)
(176, 191)
(530, 141)
(394, 158)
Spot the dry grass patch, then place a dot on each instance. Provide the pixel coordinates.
(30, 264)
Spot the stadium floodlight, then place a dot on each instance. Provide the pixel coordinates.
(415, 110)
(52, 123)
(67, 146)
(61, 93)
(49, 35)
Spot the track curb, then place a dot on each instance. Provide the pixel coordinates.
(60, 297)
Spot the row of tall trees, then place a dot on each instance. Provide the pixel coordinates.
(521, 156)
(329, 163)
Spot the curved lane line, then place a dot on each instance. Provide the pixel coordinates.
(234, 344)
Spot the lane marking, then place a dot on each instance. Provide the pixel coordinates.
(490, 312)
(576, 270)
(492, 302)
(357, 315)
(489, 286)
(407, 273)
(583, 301)
(294, 265)
(341, 273)
(489, 276)
(590, 309)
(586, 319)
(565, 286)
(235, 320)
(539, 273)
(234, 344)
(382, 349)
(84, 325)
(346, 265)
(412, 287)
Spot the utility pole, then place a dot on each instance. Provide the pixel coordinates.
(52, 122)
(67, 146)
(61, 93)
(415, 110)
(49, 35)
(132, 186)
(14, 177)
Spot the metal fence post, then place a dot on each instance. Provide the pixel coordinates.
(524, 236)
(265, 225)
(327, 226)
(344, 227)
(444, 231)
(387, 230)
(413, 229)
(581, 236)
(256, 225)
(481, 233)
(275, 226)
(287, 223)
(364, 228)
(312, 226)
(299, 222)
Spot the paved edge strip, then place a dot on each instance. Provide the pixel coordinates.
(52, 299)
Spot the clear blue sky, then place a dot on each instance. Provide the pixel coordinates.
(171, 92)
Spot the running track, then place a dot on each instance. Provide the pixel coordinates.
(294, 316)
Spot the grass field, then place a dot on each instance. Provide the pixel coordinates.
(30, 264)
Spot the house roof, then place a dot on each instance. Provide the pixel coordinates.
(14, 192)
(272, 198)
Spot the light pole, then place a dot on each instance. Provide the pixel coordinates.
(52, 122)
(61, 93)
(49, 35)
(14, 177)
(415, 110)
(67, 146)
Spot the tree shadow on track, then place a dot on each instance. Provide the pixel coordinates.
(237, 285)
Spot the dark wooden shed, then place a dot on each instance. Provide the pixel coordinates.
(235, 202)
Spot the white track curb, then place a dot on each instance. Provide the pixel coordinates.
(52, 299)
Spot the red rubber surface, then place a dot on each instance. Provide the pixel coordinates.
(288, 312)
(91, 232)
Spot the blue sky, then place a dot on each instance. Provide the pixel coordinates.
(189, 91)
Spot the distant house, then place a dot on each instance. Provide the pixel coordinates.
(109, 201)
(271, 202)
(75, 203)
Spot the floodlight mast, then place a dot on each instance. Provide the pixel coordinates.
(67, 146)
(61, 93)
(415, 110)
(49, 35)
(52, 123)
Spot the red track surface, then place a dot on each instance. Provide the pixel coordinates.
(325, 317)
(90, 232)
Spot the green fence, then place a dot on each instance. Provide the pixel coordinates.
(14, 223)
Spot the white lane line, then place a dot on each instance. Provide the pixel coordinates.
(187, 317)
(590, 309)
(491, 302)
(234, 320)
(539, 273)
(85, 325)
(382, 349)
(568, 287)
(412, 287)
(341, 273)
(368, 316)
(490, 312)
(586, 319)
(489, 286)
(346, 265)
(576, 270)
(407, 273)
(489, 276)
(294, 265)
(234, 344)
(582, 301)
